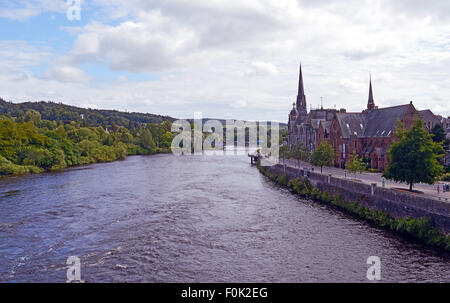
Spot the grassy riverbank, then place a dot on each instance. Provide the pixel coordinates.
(420, 229)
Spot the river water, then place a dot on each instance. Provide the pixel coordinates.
(190, 219)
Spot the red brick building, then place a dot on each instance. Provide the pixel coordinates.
(368, 133)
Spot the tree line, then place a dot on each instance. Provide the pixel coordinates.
(31, 144)
(53, 111)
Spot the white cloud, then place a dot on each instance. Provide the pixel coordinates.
(239, 104)
(152, 45)
(67, 74)
(353, 86)
(25, 9)
(260, 68)
(241, 57)
(16, 57)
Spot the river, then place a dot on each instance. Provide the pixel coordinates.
(190, 219)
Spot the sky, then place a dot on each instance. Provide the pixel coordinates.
(227, 59)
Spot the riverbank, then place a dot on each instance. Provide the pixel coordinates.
(423, 228)
(9, 169)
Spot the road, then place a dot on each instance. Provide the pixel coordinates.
(369, 178)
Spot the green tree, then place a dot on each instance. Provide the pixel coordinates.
(438, 133)
(356, 165)
(284, 149)
(414, 157)
(125, 136)
(166, 126)
(147, 141)
(166, 140)
(38, 157)
(33, 117)
(300, 153)
(323, 156)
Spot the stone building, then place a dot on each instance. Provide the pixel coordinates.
(368, 133)
(303, 128)
(429, 119)
(446, 124)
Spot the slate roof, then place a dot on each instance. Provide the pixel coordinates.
(383, 121)
(373, 123)
(351, 124)
(428, 115)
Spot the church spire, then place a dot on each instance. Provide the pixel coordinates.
(301, 98)
(371, 102)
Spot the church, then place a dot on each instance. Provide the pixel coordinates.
(303, 127)
(368, 133)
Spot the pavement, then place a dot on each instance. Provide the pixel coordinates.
(430, 191)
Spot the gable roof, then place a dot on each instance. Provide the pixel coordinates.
(428, 115)
(373, 123)
(383, 121)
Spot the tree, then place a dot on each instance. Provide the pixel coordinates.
(166, 140)
(300, 154)
(147, 141)
(323, 156)
(33, 117)
(284, 149)
(414, 156)
(438, 133)
(356, 165)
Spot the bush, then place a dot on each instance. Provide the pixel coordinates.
(7, 168)
(282, 180)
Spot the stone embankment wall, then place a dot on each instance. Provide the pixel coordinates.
(394, 203)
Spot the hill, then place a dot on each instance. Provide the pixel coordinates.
(53, 111)
(87, 117)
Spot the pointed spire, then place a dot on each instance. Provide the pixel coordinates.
(301, 98)
(371, 102)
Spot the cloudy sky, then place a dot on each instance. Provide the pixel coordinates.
(226, 58)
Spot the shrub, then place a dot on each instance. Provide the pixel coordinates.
(7, 168)
(282, 180)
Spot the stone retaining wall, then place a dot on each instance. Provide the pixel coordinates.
(392, 202)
